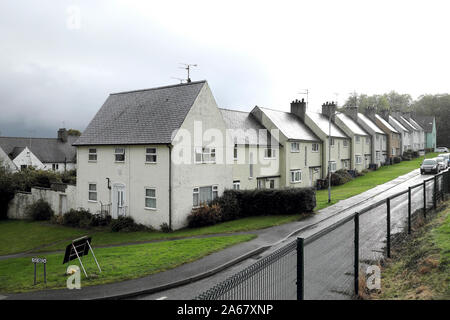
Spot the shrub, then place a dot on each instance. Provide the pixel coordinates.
(205, 215)
(397, 159)
(40, 210)
(80, 218)
(99, 220)
(229, 204)
(340, 177)
(126, 224)
(165, 228)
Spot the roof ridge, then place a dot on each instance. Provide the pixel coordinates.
(27, 138)
(161, 87)
(274, 109)
(226, 109)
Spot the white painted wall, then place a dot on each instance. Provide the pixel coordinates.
(6, 162)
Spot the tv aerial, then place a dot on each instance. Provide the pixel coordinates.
(187, 66)
(306, 92)
(179, 79)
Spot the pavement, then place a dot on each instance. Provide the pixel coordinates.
(213, 267)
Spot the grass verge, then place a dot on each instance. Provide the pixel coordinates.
(117, 263)
(369, 181)
(420, 268)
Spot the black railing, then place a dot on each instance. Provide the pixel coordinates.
(329, 263)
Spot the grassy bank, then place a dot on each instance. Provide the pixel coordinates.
(420, 268)
(117, 263)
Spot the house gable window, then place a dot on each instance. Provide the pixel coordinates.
(119, 154)
(203, 195)
(150, 198)
(315, 147)
(92, 154)
(296, 176)
(295, 147)
(205, 155)
(269, 153)
(150, 155)
(92, 192)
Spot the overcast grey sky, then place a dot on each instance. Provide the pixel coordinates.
(60, 59)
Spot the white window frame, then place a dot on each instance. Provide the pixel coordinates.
(345, 163)
(55, 166)
(332, 141)
(118, 153)
(149, 153)
(236, 185)
(149, 197)
(92, 191)
(271, 181)
(196, 191)
(92, 152)
(270, 155)
(296, 176)
(207, 154)
(295, 149)
(315, 147)
(333, 164)
(261, 184)
(357, 156)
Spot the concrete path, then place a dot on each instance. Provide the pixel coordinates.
(223, 261)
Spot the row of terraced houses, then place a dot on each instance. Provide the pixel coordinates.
(155, 154)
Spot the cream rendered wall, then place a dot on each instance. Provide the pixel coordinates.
(357, 148)
(303, 160)
(263, 168)
(135, 174)
(6, 162)
(186, 176)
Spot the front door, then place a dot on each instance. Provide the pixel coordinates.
(118, 201)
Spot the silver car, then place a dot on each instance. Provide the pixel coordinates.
(442, 162)
(429, 166)
(441, 149)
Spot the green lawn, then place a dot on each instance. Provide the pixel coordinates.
(420, 268)
(57, 237)
(21, 235)
(117, 263)
(369, 181)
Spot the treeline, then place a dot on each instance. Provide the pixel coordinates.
(437, 105)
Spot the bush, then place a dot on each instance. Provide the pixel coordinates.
(40, 210)
(397, 159)
(229, 204)
(126, 224)
(165, 228)
(205, 215)
(99, 220)
(340, 177)
(80, 218)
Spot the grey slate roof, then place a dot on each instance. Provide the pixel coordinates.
(352, 125)
(426, 122)
(322, 122)
(246, 121)
(48, 150)
(370, 123)
(407, 124)
(142, 116)
(391, 118)
(415, 124)
(290, 125)
(386, 124)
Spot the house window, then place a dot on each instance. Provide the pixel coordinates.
(345, 143)
(269, 153)
(333, 166)
(92, 192)
(344, 164)
(119, 154)
(236, 185)
(296, 176)
(295, 147)
(332, 142)
(150, 155)
(358, 159)
(203, 195)
(205, 155)
(261, 184)
(150, 198)
(393, 151)
(55, 166)
(235, 152)
(92, 154)
(358, 139)
(315, 147)
(23, 166)
(367, 140)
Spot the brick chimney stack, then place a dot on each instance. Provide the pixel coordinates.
(298, 107)
(385, 114)
(329, 109)
(352, 112)
(62, 135)
(370, 112)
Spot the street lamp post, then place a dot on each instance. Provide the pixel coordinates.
(329, 157)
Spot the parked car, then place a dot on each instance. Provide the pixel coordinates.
(441, 149)
(442, 162)
(447, 157)
(429, 166)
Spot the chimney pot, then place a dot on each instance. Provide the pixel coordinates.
(62, 134)
(299, 108)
